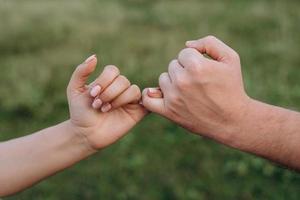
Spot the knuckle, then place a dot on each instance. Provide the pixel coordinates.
(115, 104)
(235, 55)
(105, 96)
(171, 64)
(162, 76)
(174, 62)
(124, 80)
(192, 50)
(210, 39)
(144, 92)
(203, 71)
(194, 66)
(182, 53)
(174, 101)
(112, 69)
(181, 83)
(136, 90)
(69, 89)
(189, 57)
(186, 52)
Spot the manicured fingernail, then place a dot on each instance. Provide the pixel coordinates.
(89, 59)
(153, 90)
(106, 107)
(97, 104)
(95, 91)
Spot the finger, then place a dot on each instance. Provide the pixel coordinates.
(175, 70)
(97, 103)
(213, 47)
(95, 90)
(106, 107)
(131, 95)
(164, 82)
(155, 105)
(190, 58)
(117, 87)
(81, 74)
(109, 74)
(155, 93)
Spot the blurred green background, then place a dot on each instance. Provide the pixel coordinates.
(41, 42)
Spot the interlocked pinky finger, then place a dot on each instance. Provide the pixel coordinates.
(131, 95)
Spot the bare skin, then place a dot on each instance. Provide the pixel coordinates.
(100, 114)
(207, 97)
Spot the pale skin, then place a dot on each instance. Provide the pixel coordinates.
(207, 97)
(100, 114)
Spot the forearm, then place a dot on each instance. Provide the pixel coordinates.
(27, 160)
(271, 132)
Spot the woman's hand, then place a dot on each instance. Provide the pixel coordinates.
(105, 110)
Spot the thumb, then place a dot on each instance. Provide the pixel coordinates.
(81, 74)
(152, 99)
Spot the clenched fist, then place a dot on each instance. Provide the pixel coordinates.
(203, 90)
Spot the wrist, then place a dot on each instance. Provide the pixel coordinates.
(229, 131)
(79, 138)
(251, 125)
(234, 130)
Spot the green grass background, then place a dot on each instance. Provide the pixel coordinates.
(41, 42)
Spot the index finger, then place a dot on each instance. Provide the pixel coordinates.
(109, 74)
(214, 48)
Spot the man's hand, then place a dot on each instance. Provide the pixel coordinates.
(204, 95)
(105, 110)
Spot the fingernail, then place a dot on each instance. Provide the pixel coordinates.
(189, 42)
(106, 107)
(95, 91)
(153, 90)
(97, 104)
(89, 59)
